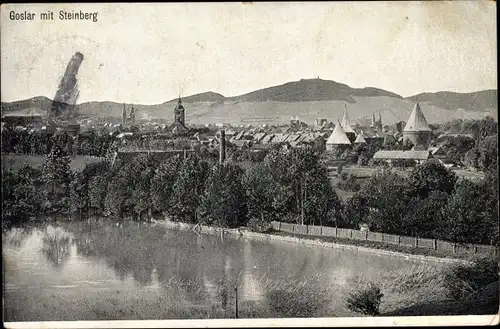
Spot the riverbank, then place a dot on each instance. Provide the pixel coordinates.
(420, 254)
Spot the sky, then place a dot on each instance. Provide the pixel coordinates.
(151, 53)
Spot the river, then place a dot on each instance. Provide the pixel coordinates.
(101, 271)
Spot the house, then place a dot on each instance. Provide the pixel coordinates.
(390, 156)
(241, 144)
(267, 139)
(279, 138)
(450, 137)
(259, 136)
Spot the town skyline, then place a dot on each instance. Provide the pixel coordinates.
(200, 48)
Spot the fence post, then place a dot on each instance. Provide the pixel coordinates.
(307, 229)
(475, 249)
(321, 230)
(399, 240)
(416, 241)
(293, 228)
(454, 247)
(435, 244)
(366, 235)
(382, 237)
(279, 226)
(335, 231)
(350, 233)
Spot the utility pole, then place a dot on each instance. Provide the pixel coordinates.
(302, 199)
(236, 302)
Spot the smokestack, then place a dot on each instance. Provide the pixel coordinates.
(222, 147)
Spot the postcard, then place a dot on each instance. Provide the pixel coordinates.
(249, 164)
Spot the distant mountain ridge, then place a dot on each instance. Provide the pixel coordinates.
(307, 98)
(477, 101)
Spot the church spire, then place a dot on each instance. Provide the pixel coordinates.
(124, 115)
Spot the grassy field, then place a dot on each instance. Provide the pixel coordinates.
(16, 161)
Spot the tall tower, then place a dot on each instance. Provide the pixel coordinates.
(417, 131)
(373, 120)
(179, 113)
(124, 115)
(379, 123)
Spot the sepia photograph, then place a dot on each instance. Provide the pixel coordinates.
(249, 164)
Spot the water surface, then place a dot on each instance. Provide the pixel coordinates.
(100, 271)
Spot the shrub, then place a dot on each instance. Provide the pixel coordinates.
(302, 301)
(461, 280)
(259, 225)
(365, 300)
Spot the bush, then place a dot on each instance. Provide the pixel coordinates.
(259, 225)
(365, 300)
(461, 280)
(302, 301)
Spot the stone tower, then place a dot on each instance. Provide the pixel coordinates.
(417, 131)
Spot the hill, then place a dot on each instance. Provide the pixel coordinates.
(209, 97)
(40, 103)
(482, 101)
(307, 98)
(307, 90)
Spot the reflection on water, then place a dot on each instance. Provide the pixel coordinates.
(56, 243)
(135, 259)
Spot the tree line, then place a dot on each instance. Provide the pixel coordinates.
(430, 203)
(37, 142)
(291, 184)
(288, 185)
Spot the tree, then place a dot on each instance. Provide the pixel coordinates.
(141, 172)
(424, 216)
(469, 213)
(118, 191)
(258, 186)
(78, 192)
(432, 176)
(96, 188)
(488, 152)
(223, 203)
(187, 189)
(300, 186)
(384, 198)
(27, 196)
(365, 300)
(57, 175)
(163, 182)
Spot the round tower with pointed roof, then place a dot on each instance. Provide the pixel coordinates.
(338, 139)
(417, 130)
(346, 126)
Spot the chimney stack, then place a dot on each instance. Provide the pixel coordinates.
(222, 147)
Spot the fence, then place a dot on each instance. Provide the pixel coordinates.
(433, 244)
